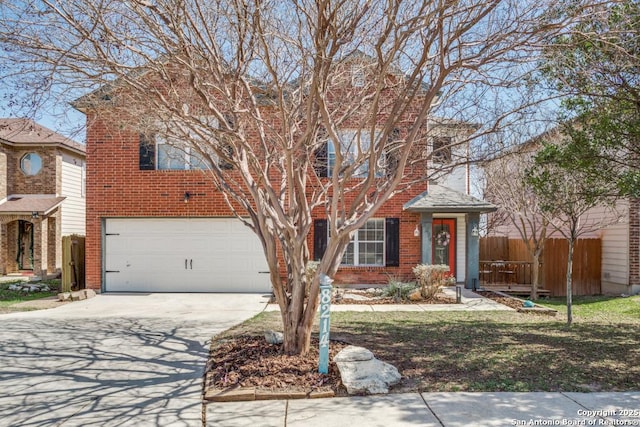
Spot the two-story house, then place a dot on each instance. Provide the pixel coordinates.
(42, 196)
(155, 222)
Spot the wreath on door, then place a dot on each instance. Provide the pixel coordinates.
(443, 238)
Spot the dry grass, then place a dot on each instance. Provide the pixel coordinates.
(495, 351)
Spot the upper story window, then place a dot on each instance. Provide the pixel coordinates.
(163, 153)
(178, 156)
(357, 75)
(441, 149)
(31, 163)
(354, 146)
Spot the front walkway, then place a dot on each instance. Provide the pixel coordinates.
(470, 302)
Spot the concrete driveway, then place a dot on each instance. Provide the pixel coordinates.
(113, 360)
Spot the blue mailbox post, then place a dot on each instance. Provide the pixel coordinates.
(325, 322)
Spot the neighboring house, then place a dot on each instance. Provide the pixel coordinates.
(619, 233)
(156, 224)
(41, 196)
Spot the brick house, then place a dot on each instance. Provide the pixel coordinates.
(155, 223)
(41, 196)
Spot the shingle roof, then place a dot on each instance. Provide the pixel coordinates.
(442, 199)
(28, 205)
(27, 132)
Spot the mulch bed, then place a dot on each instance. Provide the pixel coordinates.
(508, 301)
(250, 361)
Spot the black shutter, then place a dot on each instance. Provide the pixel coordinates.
(321, 164)
(392, 242)
(147, 153)
(320, 235)
(228, 150)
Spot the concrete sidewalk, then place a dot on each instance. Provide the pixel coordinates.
(434, 409)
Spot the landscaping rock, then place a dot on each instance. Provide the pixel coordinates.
(415, 295)
(77, 295)
(29, 287)
(362, 373)
(355, 297)
(354, 353)
(274, 337)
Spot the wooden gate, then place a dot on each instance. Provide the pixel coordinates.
(72, 263)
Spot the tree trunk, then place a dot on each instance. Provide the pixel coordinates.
(569, 282)
(296, 329)
(299, 313)
(535, 276)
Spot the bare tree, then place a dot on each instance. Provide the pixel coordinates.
(258, 87)
(506, 186)
(574, 202)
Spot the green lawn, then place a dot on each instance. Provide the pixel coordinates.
(598, 308)
(497, 351)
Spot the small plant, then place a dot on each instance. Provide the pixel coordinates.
(398, 290)
(431, 278)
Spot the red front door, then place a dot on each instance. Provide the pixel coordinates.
(444, 243)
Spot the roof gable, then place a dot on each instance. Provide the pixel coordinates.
(442, 199)
(20, 131)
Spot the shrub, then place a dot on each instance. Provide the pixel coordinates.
(398, 289)
(431, 278)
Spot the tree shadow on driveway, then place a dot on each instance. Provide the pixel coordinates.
(101, 372)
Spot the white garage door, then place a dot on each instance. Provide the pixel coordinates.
(183, 255)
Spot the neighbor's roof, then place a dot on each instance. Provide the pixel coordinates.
(26, 132)
(442, 199)
(27, 205)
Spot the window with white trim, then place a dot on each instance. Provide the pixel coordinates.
(178, 156)
(173, 154)
(354, 146)
(357, 75)
(367, 247)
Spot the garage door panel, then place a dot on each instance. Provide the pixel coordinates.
(183, 255)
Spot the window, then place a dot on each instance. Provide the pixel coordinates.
(354, 147)
(173, 154)
(367, 245)
(441, 149)
(357, 75)
(177, 156)
(31, 164)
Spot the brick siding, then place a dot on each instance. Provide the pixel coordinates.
(116, 187)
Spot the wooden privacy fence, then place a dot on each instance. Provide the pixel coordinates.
(72, 263)
(587, 264)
